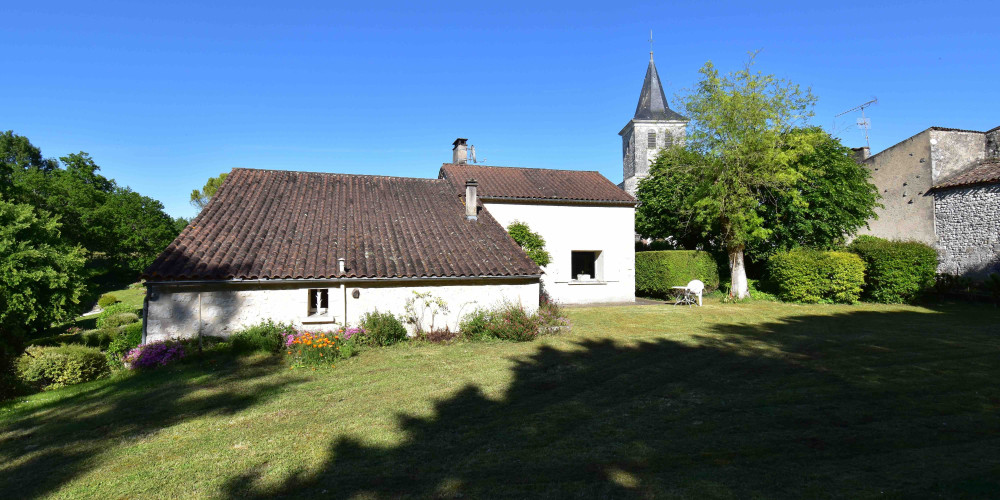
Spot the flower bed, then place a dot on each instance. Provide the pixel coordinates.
(320, 348)
(154, 354)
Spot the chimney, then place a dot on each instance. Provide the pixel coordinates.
(471, 198)
(460, 151)
(861, 154)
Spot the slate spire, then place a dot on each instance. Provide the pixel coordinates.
(652, 103)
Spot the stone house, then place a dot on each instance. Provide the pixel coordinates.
(319, 250)
(942, 187)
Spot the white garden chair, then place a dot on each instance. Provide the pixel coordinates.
(691, 293)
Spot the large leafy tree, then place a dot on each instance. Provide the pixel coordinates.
(830, 201)
(740, 125)
(121, 230)
(138, 226)
(200, 198)
(41, 278)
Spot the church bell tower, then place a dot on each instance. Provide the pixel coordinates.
(654, 128)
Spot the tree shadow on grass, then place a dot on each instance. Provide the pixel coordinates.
(858, 404)
(60, 440)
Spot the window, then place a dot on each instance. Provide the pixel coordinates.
(585, 266)
(319, 301)
(668, 139)
(651, 139)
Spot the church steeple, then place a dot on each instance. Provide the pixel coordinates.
(654, 128)
(652, 102)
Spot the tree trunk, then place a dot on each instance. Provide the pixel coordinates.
(737, 268)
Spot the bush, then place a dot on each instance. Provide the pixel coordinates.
(127, 339)
(103, 319)
(812, 276)
(440, 335)
(380, 329)
(53, 367)
(896, 271)
(657, 272)
(509, 322)
(267, 336)
(107, 300)
(154, 354)
(121, 319)
(531, 242)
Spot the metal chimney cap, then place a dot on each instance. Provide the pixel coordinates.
(459, 142)
(471, 182)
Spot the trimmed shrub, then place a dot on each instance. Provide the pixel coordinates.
(896, 271)
(657, 272)
(121, 319)
(107, 300)
(127, 338)
(154, 354)
(267, 336)
(54, 367)
(114, 310)
(380, 329)
(812, 276)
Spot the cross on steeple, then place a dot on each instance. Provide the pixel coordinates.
(650, 45)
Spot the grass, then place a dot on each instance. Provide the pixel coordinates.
(724, 401)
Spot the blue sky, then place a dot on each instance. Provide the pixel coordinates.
(165, 95)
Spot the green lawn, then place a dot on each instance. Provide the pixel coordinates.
(727, 401)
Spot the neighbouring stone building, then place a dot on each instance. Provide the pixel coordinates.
(319, 250)
(942, 187)
(653, 128)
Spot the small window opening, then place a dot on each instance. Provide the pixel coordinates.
(583, 266)
(668, 139)
(651, 139)
(319, 301)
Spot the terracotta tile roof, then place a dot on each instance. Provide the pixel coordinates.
(272, 224)
(536, 184)
(984, 172)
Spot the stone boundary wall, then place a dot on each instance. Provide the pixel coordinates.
(967, 222)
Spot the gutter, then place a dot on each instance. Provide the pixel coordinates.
(555, 201)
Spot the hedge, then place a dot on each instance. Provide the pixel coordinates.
(657, 272)
(897, 271)
(53, 367)
(812, 276)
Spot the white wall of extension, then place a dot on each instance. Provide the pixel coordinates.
(181, 311)
(609, 230)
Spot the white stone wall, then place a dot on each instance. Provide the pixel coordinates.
(565, 228)
(637, 156)
(225, 308)
(967, 221)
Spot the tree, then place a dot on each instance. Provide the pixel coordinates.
(140, 229)
(740, 124)
(41, 278)
(180, 223)
(121, 231)
(532, 243)
(201, 198)
(831, 200)
(18, 154)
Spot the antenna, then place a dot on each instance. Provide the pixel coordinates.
(863, 122)
(472, 153)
